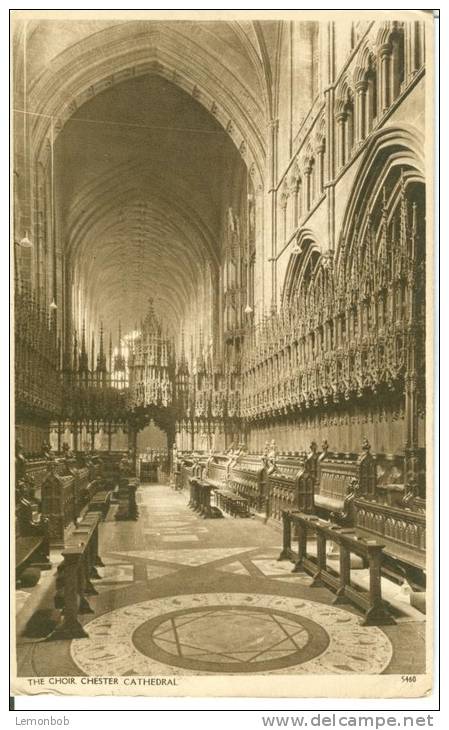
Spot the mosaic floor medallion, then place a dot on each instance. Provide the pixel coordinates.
(235, 633)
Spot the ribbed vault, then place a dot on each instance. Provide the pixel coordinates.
(142, 175)
(222, 67)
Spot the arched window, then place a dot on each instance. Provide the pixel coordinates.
(371, 96)
(397, 62)
(348, 110)
(304, 263)
(345, 124)
(417, 46)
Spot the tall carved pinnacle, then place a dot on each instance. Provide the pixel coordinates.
(183, 366)
(120, 337)
(404, 216)
(101, 363)
(414, 218)
(201, 365)
(83, 336)
(92, 357)
(83, 361)
(75, 350)
(183, 352)
(101, 340)
(110, 352)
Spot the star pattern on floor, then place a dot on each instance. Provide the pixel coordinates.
(190, 557)
(201, 635)
(153, 617)
(111, 651)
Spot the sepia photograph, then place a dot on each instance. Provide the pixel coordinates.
(222, 293)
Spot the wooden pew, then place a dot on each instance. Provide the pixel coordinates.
(110, 467)
(59, 503)
(217, 475)
(36, 473)
(339, 476)
(188, 467)
(100, 502)
(127, 504)
(74, 578)
(403, 532)
(247, 479)
(201, 498)
(228, 501)
(291, 482)
(348, 541)
(201, 490)
(396, 515)
(216, 471)
(369, 493)
(32, 546)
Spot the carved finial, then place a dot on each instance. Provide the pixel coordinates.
(325, 445)
(366, 446)
(414, 219)
(92, 351)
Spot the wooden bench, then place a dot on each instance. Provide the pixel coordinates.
(36, 473)
(247, 479)
(216, 470)
(200, 498)
(59, 503)
(289, 485)
(127, 505)
(348, 541)
(189, 465)
(31, 552)
(100, 502)
(403, 532)
(228, 501)
(74, 578)
(339, 476)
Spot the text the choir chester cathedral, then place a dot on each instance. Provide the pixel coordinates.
(220, 308)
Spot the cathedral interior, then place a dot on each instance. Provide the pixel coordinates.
(219, 319)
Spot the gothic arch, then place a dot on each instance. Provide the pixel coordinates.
(390, 147)
(95, 64)
(298, 262)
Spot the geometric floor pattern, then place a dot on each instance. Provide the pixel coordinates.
(190, 556)
(200, 635)
(230, 633)
(198, 605)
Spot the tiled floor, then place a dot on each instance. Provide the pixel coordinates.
(182, 595)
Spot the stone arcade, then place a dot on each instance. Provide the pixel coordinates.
(220, 305)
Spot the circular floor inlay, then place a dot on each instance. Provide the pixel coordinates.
(217, 633)
(231, 638)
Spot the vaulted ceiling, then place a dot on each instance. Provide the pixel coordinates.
(155, 125)
(141, 175)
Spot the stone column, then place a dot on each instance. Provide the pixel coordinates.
(385, 80)
(308, 191)
(360, 110)
(274, 128)
(321, 172)
(341, 135)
